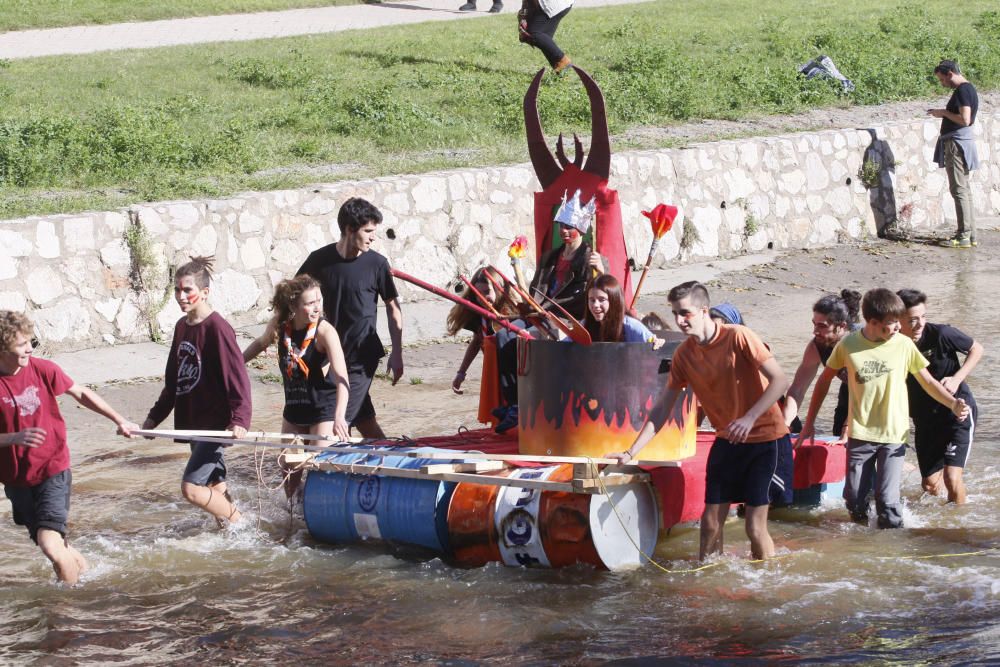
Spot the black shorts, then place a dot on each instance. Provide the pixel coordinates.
(944, 441)
(45, 505)
(359, 403)
(309, 415)
(206, 466)
(748, 473)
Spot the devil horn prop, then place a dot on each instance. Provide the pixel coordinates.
(560, 152)
(546, 167)
(578, 151)
(599, 159)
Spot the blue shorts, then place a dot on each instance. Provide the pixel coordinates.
(44, 505)
(750, 473)
(206, 466)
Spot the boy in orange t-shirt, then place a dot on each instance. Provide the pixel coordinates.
(738, 383)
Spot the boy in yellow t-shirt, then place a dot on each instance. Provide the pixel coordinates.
(878, 363)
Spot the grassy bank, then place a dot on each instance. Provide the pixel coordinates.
(25, 14)
(110, 129)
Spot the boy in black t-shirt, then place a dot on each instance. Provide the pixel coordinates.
(942, 442)
(352, 278)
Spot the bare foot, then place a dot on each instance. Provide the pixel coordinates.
(67, 570)
(81, 562)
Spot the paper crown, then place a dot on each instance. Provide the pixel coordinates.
(574, 214)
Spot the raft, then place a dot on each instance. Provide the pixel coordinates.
(542, 502)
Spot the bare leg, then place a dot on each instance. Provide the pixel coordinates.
(713, 521)
(370, 428)
(66, 561)
(761, 544)
(934, 484)
(293, 479)
(213, 500)
(956, 485)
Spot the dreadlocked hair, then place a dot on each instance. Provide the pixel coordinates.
(200, 268)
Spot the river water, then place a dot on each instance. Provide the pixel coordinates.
(166, 586)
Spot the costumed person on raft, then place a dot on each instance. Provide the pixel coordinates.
(564, 271)
(561, 277)
(497, 391)
(606, 320)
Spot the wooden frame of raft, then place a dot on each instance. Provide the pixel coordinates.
(590, 475)
(587, 479)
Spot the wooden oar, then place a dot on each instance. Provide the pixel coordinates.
(539, 319)
(457, 299)
(576, 331)
(583, 336)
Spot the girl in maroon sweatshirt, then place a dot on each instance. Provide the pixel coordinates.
(207, 388)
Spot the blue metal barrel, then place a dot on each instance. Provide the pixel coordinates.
(341, 507)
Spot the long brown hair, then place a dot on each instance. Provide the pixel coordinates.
(611, 329)
(287, 294)
(504, 302)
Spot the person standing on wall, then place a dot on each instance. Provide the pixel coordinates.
(956, 148)
(537, 23)
(352, 278)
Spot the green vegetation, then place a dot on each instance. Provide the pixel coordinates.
(869, 173)
(111, 129)
(689, 235)
(144, 272)
(24, 14)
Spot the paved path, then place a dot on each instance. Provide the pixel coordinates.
(242, 27)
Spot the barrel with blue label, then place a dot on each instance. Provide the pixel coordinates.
(535, 528)
(409, 514)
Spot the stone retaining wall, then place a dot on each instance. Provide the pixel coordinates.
(74, 273)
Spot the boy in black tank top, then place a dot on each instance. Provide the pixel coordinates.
(310, 359)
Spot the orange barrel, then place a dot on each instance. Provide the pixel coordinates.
(587, 400)
(534, 528)
(471, 536)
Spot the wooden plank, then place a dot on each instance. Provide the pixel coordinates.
(297, 457)
(471, 478)
(595, 485)
(474, 466)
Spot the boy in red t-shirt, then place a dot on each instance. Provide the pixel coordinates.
(738, 382)
(34, 457)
